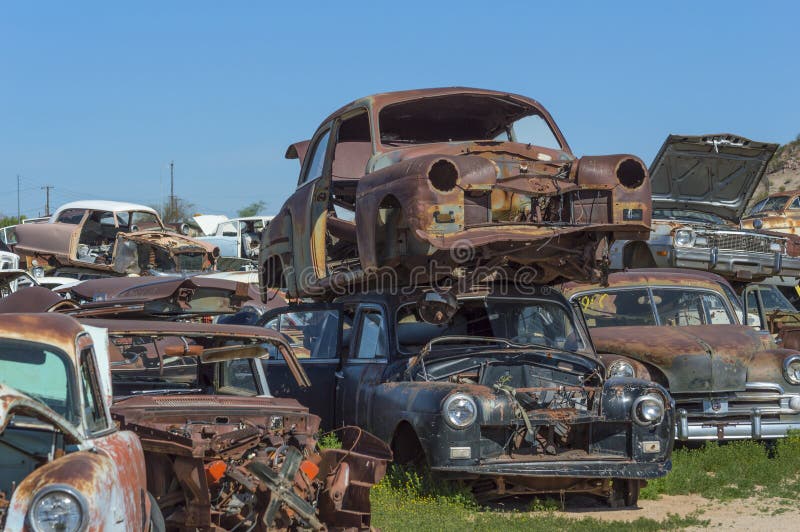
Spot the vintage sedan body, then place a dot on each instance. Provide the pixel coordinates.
(701, 186)
(221, 452)
(779, 212)
(464, 177)
(504, 392)
(683, 329)
(113, 237)
(64, 465)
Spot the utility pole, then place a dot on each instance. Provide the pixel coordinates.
(19, 214)
(47, 188)
(172, 206)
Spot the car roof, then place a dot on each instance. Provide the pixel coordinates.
(646, 276)
(103, 205)
(49, 328)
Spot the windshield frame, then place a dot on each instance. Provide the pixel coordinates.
(568, 309)
(525, 109)
(73, 401)
(759, 207)
(722, 294)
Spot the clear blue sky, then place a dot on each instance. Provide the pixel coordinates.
(97, 98)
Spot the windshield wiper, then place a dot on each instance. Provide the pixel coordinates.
(168, 391)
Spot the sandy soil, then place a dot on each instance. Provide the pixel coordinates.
(742, 514)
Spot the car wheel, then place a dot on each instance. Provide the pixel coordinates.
(624, 492)
(157, 523)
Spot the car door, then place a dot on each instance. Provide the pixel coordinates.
(309, 207)
(315, 333)
(362, 370)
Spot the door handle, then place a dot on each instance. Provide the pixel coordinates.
(338, 374)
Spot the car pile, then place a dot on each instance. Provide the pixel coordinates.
(449, 288)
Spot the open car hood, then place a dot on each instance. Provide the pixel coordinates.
(711, 173)
(13, 402)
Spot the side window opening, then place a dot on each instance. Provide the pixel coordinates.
(93, 407)
(372, 341)
(311, 334)
(316, 164)
(353, 147)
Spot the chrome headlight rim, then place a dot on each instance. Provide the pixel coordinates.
(446, 410)
(83, 505)
(686, 230)
(787, 362)
(616, 366)
(648, 397)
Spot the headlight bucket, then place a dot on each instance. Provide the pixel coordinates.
(58, 507)
(620, 368)
(791, 369)
(648, 409)
(460, 411)
(684, 237)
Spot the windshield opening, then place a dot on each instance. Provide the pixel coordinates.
(136, 368)
(464, 117)
(654, 306)
(40, 372)
(774, 203)
(529, 321)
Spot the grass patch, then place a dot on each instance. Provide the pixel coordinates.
(329, 441)
(732, 471)
(404, 500)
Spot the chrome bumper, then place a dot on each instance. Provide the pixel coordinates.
(740, 263)
(755, 428)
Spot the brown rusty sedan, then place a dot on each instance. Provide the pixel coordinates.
(683, 329)
(463, 177)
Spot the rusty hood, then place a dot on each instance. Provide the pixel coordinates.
(715, 173)
(701, 358)
(13, 402)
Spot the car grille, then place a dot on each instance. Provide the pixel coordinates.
(742, 241)
(768, 398)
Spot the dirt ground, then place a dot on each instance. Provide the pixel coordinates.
(742, 514)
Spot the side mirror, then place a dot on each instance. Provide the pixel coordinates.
(437, 308)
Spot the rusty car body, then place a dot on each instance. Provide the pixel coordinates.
(701, 187)
(113, 237)
(778, 212)
(683, 329)
(64, 465)
(767, 307)
(220, 452)
(464, 177)
(505, 393)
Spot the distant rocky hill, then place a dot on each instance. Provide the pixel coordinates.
(783, 171)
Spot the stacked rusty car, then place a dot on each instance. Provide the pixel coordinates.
(426, 226)
(464, 178)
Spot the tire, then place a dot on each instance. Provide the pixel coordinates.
(624, 492)
(157, 523)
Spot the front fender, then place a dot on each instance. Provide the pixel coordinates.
(94, 476)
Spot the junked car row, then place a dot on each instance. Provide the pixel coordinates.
(163, 397)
